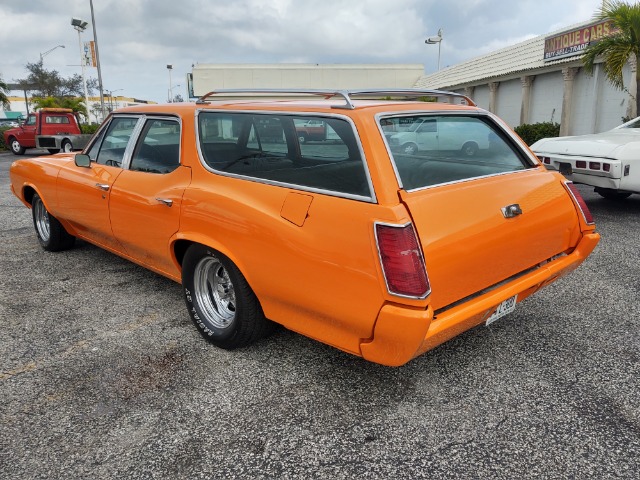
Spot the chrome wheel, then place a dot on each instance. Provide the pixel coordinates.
(214, 292)
(66, 147)
(41, 220)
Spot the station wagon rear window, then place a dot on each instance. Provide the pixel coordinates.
(430, 150)
(314, 153)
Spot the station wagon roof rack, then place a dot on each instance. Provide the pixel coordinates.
(409, 94)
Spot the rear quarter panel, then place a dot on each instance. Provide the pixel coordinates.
(321, 279)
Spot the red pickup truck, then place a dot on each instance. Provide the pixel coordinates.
(55, 129)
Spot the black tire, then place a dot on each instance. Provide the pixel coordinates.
(53, 150)
(469, 149)
(15, 146)
(611, 194)
(66, 146)
(220, 301)
(302, 138)
(50, 232)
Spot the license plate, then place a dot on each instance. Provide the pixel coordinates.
(506, 307)
(565, 169)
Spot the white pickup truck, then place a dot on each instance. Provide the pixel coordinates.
(439, 134)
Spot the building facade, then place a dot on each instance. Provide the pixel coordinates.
(543, 80)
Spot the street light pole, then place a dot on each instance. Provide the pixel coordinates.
(42, 55)
(433, 40)
(170, 67)
(80, 26)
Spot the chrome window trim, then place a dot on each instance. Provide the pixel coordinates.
(384, 274)
(478, 113)
(369, 199)
(137, 132)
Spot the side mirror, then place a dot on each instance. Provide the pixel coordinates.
(83, 160)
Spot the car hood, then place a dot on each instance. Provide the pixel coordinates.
(596, 145)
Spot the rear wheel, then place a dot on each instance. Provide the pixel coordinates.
(51, 234)
(470, 149)
(611, 194)
(220, 301)
(302, 138)
(53, 150)
(16, 148)
(66, 146)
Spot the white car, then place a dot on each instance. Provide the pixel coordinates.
(609, 161)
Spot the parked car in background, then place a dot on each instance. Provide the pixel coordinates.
(8, 123)
(382, 254)
(608, 161)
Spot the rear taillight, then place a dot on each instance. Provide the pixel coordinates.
(402, 261)
(580, 201)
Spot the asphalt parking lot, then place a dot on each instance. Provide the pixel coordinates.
(104, 376)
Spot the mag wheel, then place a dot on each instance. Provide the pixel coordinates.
(220, 301)
(51, 234)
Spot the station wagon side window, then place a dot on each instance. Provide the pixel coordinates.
(158, 150)
(308, 152)
(114, 142)
(465, 147)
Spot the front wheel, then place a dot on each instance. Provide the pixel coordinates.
(50, 232)
(611, 194)
(53, 151)
(220, 301)
(66, 146)
(410, 148)
(16, 148)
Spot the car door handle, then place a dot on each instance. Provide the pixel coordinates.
(103, 186)
(165, 201)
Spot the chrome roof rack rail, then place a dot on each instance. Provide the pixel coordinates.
(347, 95)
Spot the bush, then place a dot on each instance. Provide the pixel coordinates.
(89, 128)
(532, 132)
(2, 144)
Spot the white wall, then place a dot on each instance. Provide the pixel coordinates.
(546, 98)
(509, 101)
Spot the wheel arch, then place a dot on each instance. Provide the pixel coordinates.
(183, 242)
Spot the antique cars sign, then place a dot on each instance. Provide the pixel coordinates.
(573, 42)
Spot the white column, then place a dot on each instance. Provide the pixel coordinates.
(568, 74)
(493, 96)
(525, 107)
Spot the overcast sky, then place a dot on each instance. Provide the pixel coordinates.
(138, 38)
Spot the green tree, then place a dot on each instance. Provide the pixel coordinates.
(4, 100)
(48, 83)
(616, 50)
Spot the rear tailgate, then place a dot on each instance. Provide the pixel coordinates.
(468, 243)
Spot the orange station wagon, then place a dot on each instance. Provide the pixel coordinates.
(353, 239)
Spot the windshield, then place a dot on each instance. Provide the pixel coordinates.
(434, 149)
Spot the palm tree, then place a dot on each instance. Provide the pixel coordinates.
(74, 103)
(4, 100)
(615, 50)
